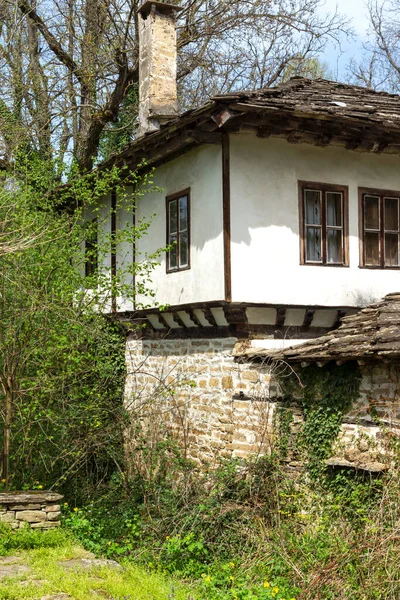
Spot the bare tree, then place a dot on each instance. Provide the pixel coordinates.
(66, 65)
(380, 66)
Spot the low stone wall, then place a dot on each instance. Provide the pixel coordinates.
(209, 403)
(40, 510)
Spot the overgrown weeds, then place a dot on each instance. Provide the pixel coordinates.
(249, 531)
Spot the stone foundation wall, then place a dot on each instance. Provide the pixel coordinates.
(40, 510)
(216, 407)
(211, 405)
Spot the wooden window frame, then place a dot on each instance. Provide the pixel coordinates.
(168, 199)
(324, 188)
(363, 191)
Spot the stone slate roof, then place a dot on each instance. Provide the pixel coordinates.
(301, 110)
(372, 333)
(321, 99)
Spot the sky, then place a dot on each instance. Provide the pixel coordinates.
(336, 59)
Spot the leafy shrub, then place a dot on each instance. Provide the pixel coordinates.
(28, 539)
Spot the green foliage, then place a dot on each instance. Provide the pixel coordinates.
(185, 555)
(62, 363)
(120, 133)
(108, 528)
(28, 539)
(325, 395)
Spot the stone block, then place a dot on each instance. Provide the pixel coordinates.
(25, 506)
(7, 517)
(250, 376)
(45, 525)
(214, 381)
(30, 516)
(53, 508)
(53, 516)
(227, 382)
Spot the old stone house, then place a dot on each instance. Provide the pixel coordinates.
(282, 209)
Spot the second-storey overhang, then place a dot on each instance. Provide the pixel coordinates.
(318, 112)
(235, 319)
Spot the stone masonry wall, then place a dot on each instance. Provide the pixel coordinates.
(40, 510)
(211, 405)
(376, 414)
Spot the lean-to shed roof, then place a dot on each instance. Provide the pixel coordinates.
(372, 333)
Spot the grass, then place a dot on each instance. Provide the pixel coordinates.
(47, 576)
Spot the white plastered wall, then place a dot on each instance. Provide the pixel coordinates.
(265, 222)
(200, 170)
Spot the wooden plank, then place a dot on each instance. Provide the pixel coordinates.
(226, 217)
(280, 317)
(210, 317)
(308, 317)
(193, 317)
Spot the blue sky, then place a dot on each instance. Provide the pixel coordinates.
(338, 59)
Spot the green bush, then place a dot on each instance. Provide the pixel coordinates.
(28, 539)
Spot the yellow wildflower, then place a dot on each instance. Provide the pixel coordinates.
(267, 584)
(208, 579)
(203, 575)
(231, 578)
(76, 509)
(232, 565)
(3, 480)
(275, 590)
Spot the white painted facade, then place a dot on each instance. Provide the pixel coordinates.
(265, 248)
(265, 222)
(201, 171)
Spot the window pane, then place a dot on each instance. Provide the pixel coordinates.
(183, 216)
(391, 250)
(183, 249)
(312, 200)
(334, 243)
(391, 214)
(173, 253)
(173, 224)
(371, 212)
(371, 244)
(313, 244)
(334, 209)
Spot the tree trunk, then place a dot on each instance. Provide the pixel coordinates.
(7, 435)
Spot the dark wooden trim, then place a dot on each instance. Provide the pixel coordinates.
(193, 317)
(235, 314)
(163, 320)
(323, 188)
(226, 216)
(178, 320)
(134, 252)
(381, 194)
(210, 317)
(340, 314)
(222, 303)
(168, 199)
(113, 248)
(308, 317)
(280, 317)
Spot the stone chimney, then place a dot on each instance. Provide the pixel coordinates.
(158, 101)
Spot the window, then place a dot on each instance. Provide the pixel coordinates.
(178, 231)
(379, 229)
(323, 224)
(91, 251)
